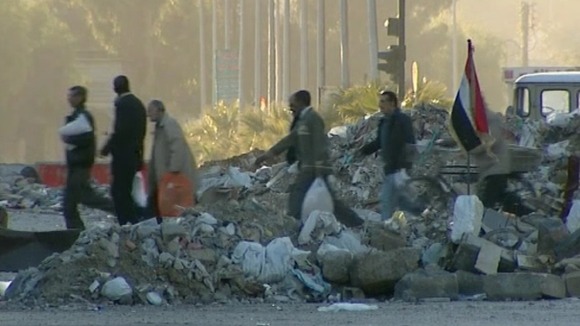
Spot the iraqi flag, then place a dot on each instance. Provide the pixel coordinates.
(468, 116)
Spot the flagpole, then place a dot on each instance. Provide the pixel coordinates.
(469, 48)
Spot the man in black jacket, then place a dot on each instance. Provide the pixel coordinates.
(126, 148)
(395, 132)
(78, 134)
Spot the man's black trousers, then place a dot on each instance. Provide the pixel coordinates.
(79, 191)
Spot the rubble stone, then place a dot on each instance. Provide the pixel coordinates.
(336, 266)
(116, 289)
(423, 284)
(569, 246)
(466, 255)
(523, 286)
(551, 232)
(385, 240)
(378, 272)
(573, 284)
(171, 230)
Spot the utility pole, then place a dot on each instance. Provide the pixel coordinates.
(202, 89)
(321, 51)
(271, 53)
(241, 97)
(344, 57)
(214, 51)
(525, 30)
(227, 22)
(286, 52)
(373, 40)
(403, 47)
(304, 44)
(257, 54)
(454, 48)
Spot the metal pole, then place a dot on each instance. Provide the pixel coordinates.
(468, 174)
(402, 45)
(373, 40)
(344, 57)
(286, 52)
(303, 44)
(202, 44)
(241, 97)
(214, 51)
(454, 47)
(321, 71)
(257, 55)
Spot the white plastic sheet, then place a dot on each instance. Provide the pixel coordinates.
(318, 197)
(324, 221)
(573, 218)
(268, 264)
(467, 216)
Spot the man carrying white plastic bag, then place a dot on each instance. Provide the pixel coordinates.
(395, 133)
(139, 192)
(308, 143)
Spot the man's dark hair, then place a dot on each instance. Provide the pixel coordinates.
(121, 84)
(303, 97)
(391, 95)
(80, 91)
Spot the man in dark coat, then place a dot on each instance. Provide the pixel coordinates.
(126, 148)
(78, 134)
(395, 132)
(307, 143)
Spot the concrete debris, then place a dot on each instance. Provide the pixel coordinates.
(238, 243)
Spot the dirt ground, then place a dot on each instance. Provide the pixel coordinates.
(563, 312)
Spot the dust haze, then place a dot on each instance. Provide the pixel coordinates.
(50, 45)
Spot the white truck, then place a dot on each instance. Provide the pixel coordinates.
(541, 91)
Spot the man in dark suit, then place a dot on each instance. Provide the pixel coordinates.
(126, 148)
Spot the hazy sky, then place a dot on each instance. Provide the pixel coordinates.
(553, 29)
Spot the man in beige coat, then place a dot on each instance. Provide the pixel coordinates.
(170, 153)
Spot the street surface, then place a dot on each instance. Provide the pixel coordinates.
(552, 313)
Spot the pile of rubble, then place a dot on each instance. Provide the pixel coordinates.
(238, 244)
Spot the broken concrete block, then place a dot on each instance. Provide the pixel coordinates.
(170, 230)
(488, 258)
(423, 284)
(530, 263)
(116, 288)
(336, 265)
(469, 283)
(378, 272)
(467, 252)
(551, 232)
(523, 286)
(569, 247)
(493, 220)
(573, 284)
(385, 240)
(434, 254)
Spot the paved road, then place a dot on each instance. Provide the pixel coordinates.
(552, 313)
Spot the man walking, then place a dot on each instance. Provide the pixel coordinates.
(395, 132)
(170, 154)
(126, 148)
(79, 136)
(308, 144)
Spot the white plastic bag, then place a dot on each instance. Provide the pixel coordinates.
(467, 216)
(401, 178)
(138, 192)
(318, 197)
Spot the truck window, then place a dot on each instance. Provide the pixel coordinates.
(523, 104)
(555, 101)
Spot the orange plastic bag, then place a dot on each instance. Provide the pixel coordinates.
(174, 190)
